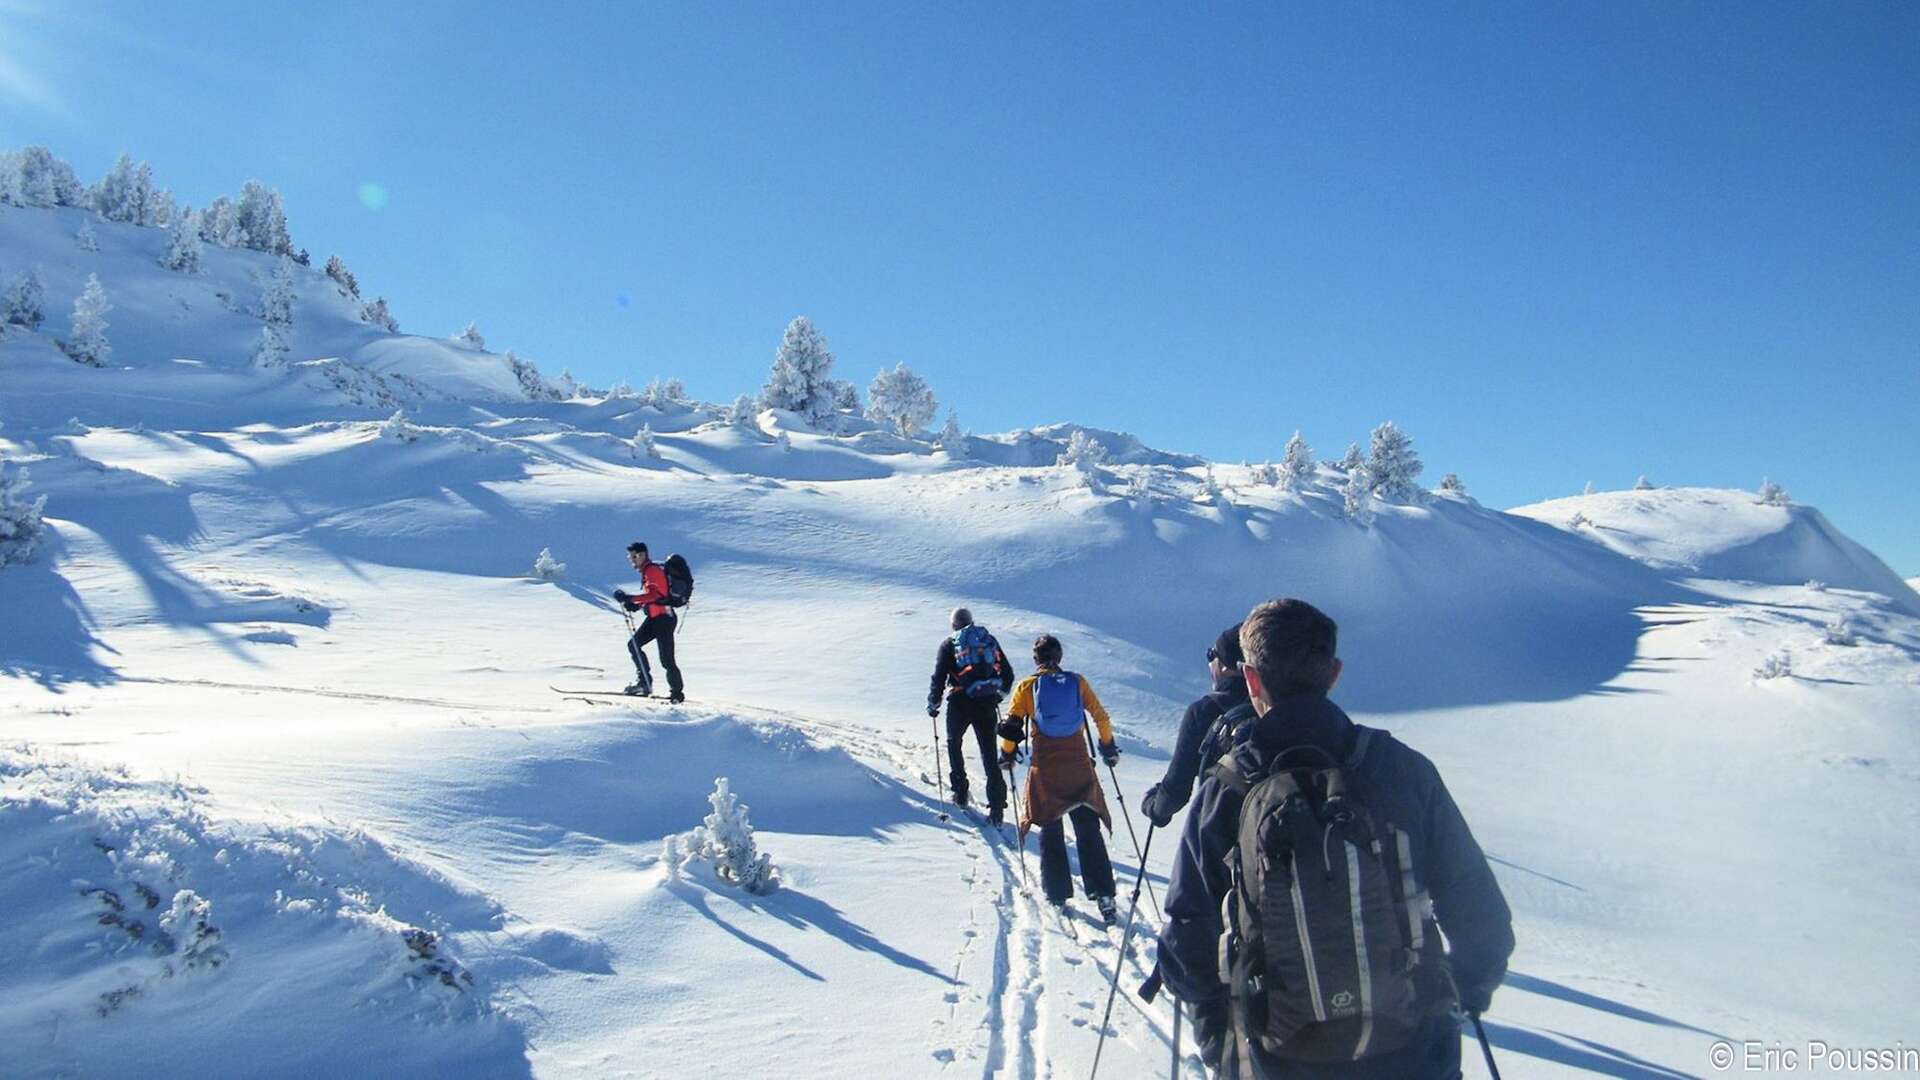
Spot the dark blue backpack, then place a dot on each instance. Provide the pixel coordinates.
(976, 662)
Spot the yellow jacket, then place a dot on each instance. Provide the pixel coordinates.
(1021, 707)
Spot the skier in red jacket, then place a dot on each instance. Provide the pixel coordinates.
(657, 625)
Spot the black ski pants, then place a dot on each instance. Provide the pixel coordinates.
(659, 630)
(964, 713)
(1096, 870)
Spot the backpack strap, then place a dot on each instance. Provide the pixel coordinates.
(1362, 737)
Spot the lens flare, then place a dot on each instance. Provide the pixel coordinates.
(373, 196)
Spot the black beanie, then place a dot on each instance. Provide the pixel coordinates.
(1227, 647)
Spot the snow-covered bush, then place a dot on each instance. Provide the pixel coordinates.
(21, 305)
(32, 176)
(1351, 460)
(343, 277)
(951, 438)
(1578, 520)
(901, 399)
(470, 337)
(1840, 632)
(744, 413)
(184, 244)
(375, 312)
(1394, 464)
(725, 840)
(663, 392)
(84, 236)
(270, 349)
(1210, 486)
(1084, 453)
(1140, 486)
(1777, 666)
(1296, 467)
(531, 382)
(87, 344)
(1772, 494)
(642, 445)
(1357, 496)
(398, 428)
(20, 517)
(276, 303)
(262, 221)
(1451, 483)
(800, 380)
(1267, 473)
(1816, 585)
(1643, 484)
(548, 568)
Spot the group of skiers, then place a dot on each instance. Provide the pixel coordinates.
(1317, 872)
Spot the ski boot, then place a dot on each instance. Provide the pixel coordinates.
(1108, 910)
(639, 690)
(997, 815)
(676, 698)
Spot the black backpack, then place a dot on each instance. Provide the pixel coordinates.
(679, 581)
(1331, 952)
(1224, 735)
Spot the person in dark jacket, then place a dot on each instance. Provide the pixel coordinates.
(1291, 663)
(657, 625)
(971, 711)
(1199, 744)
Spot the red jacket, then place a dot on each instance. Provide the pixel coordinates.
(653, 591)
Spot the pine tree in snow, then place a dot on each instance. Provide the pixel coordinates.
(262, 221)
(800, 380)
(661, 393)
(123, 194)
(20, 517)
(531, 382)
(1083, 452)
(84, 236)
(1351, 461)
(642, 445)
(1451, 483)
(1296, 468)
(744, 413)
(220, 224)
(270, 348)
(901, 399)
(1210, 486)
(1267, 473)
(375, 311)
(1643, 484)
(548, 568)
(1394, 464)
(1357, 496)
(160, 209)
(398, 428)
(565, 386)
(87, 344)
(725, 840)
(951, 438)
(470, 337)
(1772, 494)
(845, 395)
(184, 244)
(343, 277)
(32, 176)
(619, 390)
(276, 303)
(21, 305)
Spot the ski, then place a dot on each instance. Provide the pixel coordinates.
(622, 694)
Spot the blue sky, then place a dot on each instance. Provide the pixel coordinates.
(1556, 243)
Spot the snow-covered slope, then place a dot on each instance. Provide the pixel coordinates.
(286, 674)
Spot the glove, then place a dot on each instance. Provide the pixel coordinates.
(1110, 754)
(1012, 729)
(1475, 999)
(620, 595)
(1210, 1031)
(1150, 805)
(933, 710)
(1010, 758)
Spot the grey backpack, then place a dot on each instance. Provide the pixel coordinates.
(1329, 952)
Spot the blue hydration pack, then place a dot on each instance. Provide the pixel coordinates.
(976, 662)
(1057, 711)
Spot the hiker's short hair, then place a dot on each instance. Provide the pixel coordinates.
(1292, 644)
(961, 619)
(1047, 651)
(636, 548)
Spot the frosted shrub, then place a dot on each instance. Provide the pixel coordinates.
(1777, 666)
(1296, 468)
(1357, 496)
(276, 304)
(548, 568)
(1578, 520)
(88, 343)
(21, 305)
(845, 396)
(1772, 494)
(744, 413)
(1267, 473)
(1140, 486)
(342, 277)
(1084, 453)
(1816, 585)
(20, 517)
(725, 840)
(1394, 464)
(901, 399)
(1351, 460)
(532, 383)
(1840, 632)
(398, 428)
(1643, 484)
(642, 445)
(1210, 486)
(951, 438)
(1451, 483)
(470, 337)
(375, 311)
(84, 237)
(663, 392)
(800, 379)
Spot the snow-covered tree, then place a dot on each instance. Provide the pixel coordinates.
(1840, 632)
(262, 221)
(20, 517)
(1210, 486)
(87, 343)
(123, 194)
(184, 244)
(845, 395)
(84, 236)
(1351, 460)
(375, 311)
(1772, 494)
(566, 386)
(1451, 482)
(1084, 453)
(663, 392)
(1394, 464)
(744, 413)
(270, 348)
(901, 399)
(725, 840)
(1357, 496)
(276, 303)
(548, 568)
(642, 445)
(220, 224)
(951, 438)
(620, 389)
(1777, 666)
(343, 277)
(160, 209)
(801, 379)
(1643, 484)
(398, 428)
(470, 337)
(32, 176)
(1296, 468)
(531, 382)
(1267, 473)
(21, 305)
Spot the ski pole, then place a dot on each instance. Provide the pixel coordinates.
(1486, 1048)
(1019, 815)
(1113, 990)
(939, 781)
(1174, 1072)
(1128, 818)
